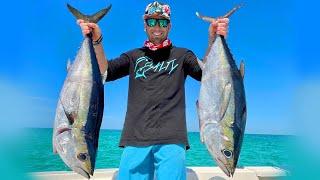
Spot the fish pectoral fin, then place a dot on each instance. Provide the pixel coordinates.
(225, 99)
(54, 149)
(71, 117)
(68, 65)
(201, 63)
(200, 125)
(242, 69)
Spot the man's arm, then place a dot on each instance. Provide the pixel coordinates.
(101, 57)
(192, 65)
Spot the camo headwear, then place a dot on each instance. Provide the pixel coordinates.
(157, 9)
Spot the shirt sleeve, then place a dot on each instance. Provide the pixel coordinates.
(191, 66)
(118, 67)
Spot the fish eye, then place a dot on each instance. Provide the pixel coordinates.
(227, 153)
(82, 156)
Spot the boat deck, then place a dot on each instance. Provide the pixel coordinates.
(193, 173)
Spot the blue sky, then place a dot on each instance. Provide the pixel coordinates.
(41, 35)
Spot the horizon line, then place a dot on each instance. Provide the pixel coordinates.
(250, 133)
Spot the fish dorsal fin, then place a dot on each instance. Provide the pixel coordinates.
(201, 63)
(68, 65)
(200, 124)
(93, 18)
(242, 69)
(225, 99)
(104, 75)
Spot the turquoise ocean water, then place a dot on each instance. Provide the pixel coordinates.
(257, 150)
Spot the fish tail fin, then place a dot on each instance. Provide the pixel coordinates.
(89, 18)
(233, 10)
(210, 19)
(205, 18)
(100, 14)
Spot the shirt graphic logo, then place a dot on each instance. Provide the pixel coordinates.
(145, 64)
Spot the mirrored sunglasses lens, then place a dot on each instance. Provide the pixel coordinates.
(163, 22)
(151, 22)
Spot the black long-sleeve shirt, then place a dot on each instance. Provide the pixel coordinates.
(156, 100)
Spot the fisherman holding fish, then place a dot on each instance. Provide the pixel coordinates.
(154, 135)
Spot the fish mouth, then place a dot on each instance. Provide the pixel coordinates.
(223, 167)
(83, 172)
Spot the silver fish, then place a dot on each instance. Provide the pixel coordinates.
(80, 107)
(222, 105)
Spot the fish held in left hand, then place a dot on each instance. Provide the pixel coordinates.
(222, 104)
(80, 107)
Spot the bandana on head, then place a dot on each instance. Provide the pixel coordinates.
(154, 47)
(157, 8)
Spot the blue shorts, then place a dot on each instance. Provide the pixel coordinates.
(165, 161)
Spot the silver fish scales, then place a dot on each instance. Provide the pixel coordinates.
(80, 107)
(222, 105)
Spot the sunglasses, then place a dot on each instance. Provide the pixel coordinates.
(153, 22)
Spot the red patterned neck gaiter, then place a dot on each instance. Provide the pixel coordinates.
(154, 47)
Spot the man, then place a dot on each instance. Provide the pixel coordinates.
(154, 136)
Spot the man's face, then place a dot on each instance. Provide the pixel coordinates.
(157, 29)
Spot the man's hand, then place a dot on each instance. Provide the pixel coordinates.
(219, 26)
(86, 28)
